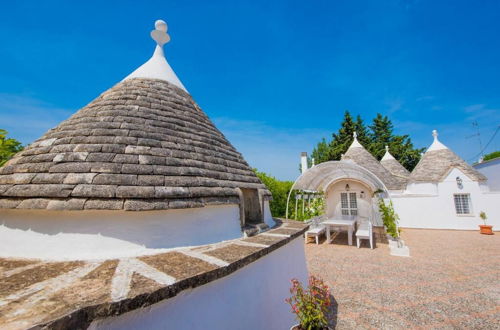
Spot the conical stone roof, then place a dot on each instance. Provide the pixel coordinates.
(438, 161)
(142, 145)
(362, 157)
(393, 166)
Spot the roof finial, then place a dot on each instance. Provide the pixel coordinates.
(157, 66)
(387, 154)
(436, 145)
(160, 34)
(355, 143)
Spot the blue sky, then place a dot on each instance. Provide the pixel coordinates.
(274, 76)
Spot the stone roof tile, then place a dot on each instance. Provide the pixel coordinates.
(143, 144)
(435, 164)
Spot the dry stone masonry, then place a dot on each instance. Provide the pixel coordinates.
(142, 145)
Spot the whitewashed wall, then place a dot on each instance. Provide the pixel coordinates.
(63, 235)
(333, 205)
(251, 298)
(491, 169)
(268, 218)
(429, 209)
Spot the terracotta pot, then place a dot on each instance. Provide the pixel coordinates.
(486, 229)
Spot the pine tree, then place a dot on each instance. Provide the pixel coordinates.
(321, 152)
(381, 135)
(403, 150)
(343, 138)
(374, 138)
(362, 132)
(400, 146)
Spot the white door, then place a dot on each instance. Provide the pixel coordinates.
(348, 203)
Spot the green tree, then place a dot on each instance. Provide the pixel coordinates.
(400, 146)
(381, 134)
(321, 152)
(8, 147)
(374, 138)
(279, 190)
(363, 135)
(492, 155)
(403, 150)
(343, 138)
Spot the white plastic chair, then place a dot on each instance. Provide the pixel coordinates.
(365, 231)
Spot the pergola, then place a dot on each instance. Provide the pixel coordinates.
(319, 177)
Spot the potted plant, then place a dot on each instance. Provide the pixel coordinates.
(390, 219)
(485, 229)
(310, 305)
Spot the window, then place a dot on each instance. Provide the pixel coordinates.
(462, 203)
(348, 203)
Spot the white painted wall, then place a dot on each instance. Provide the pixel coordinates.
(268, 217)
(63, 235)
(437, 211)
(333, 205)
(491, 169)
(250, 298)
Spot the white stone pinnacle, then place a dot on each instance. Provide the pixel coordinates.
(436, 145)
(387, 154)
(355, 143)
(157, 66)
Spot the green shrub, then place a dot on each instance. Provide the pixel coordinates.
(389, 217)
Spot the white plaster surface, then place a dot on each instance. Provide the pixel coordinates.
(491, 169)
(432, 205)
(80, 235)
(268, 218)
(387, 155)
(157, 67)
(436, 144)
(365, 204)
(250, 298)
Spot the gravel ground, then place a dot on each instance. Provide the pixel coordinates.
(451, 281)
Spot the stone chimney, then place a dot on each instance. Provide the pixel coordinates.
(303, 162)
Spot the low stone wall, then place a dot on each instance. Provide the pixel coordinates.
(73, 294)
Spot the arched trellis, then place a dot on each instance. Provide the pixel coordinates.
(319, 177)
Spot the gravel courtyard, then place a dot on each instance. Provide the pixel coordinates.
(451, 281)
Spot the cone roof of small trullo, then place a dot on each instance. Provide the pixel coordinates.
(143, 144)
(392, 165)
(438, 161)
(362, 157)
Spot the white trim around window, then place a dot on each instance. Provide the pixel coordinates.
(463, 204)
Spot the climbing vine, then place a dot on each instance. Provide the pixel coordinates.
(389, 217)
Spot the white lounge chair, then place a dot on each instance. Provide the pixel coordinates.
(365, 231)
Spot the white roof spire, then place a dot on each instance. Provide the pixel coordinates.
(387, 154)
(355, 143)
(157, 66)
(436, 145)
